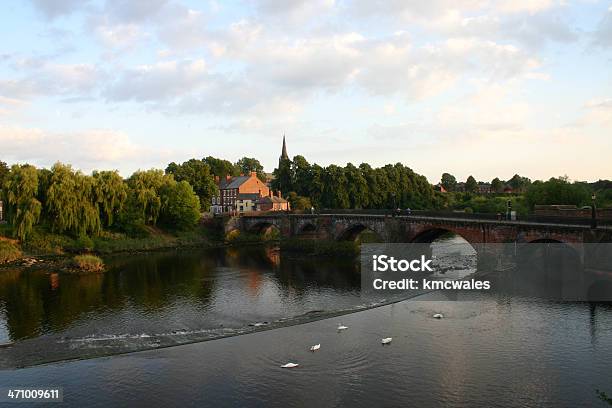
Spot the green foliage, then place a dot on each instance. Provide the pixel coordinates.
(320, 247)
(9, 252)
(354, 187)
(146, 186)
(448, 181)
(299, 203)
(519, 183)
(71, 202)
(198, 174)
(557, 191)
(89, 263)
(471, 186)
(84, 243)
(131, 219)
(246, 165)
(220, 167)
(496, 185)
(181, 206)
(21, 187)
(283, 177)
(110, 193)
(4, 173)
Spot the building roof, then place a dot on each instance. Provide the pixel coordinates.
(236, 182)
(272, 199)
(248, 196)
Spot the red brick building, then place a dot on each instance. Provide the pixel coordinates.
(236, 191)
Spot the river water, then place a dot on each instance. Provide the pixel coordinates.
(492, 349)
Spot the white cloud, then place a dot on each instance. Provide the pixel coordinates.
(86, 150)
(159, 82)
(56, 8)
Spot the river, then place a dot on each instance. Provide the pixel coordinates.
(260, 309)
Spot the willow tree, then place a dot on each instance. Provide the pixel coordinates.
(21, 187)
(71, 202)
(110, 193)
(146, 186)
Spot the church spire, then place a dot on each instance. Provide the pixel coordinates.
(284, 155)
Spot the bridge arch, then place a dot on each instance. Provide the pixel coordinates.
(431, 234)
(264, 228)
(307, 228)
(353, 231)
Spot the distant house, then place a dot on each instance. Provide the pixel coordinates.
(460, 187)
(484, 188)
(272, 203)
(508, 189)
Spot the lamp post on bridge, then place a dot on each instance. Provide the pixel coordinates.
(593, 211)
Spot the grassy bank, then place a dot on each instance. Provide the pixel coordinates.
(9, 251)
(320, 247)
(43, 242)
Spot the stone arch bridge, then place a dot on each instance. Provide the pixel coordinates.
(595, 261)
(407, 229)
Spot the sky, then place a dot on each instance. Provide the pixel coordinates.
(470, 87)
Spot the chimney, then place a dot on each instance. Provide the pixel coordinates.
(228, 177)
(241, 174)
(217, 179)
(253, 174)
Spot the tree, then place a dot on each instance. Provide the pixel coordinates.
(302, 173)
(4, 173)
(146, 186)
(248, 165)
(220, 167)
(471, 186)
(357, 187)
(71, 202)
(283, 177)
(557, 191)
(519, 183)
(20, 189)
(180, 205)
(197, 173)
(298, 202)
(110, 194)
(448, 181)
(496, 185)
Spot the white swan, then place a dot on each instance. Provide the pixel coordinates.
(290, 365)
(386, 340)
(315, 347)
(342, 327)
(438, 316)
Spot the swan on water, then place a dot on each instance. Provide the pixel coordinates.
(438, 316)
(315, 347)
(342, 327)
(386, 340)
(290, 365)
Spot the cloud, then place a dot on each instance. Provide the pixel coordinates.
(87, 150)
(41, 78)
(158, 82)
(603, 34)
(55, 8)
